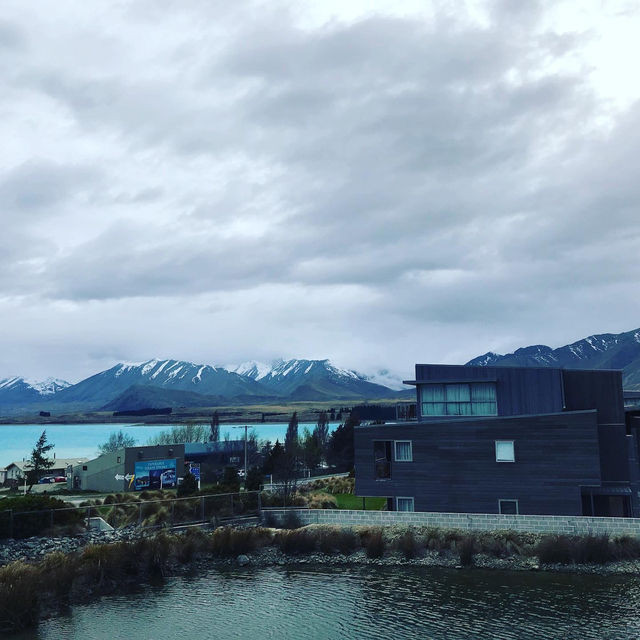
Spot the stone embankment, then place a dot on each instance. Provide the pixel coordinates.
(34, 549)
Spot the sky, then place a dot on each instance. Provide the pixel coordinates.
(378, 183)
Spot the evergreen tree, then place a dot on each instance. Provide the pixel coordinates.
(340, 452)
(291, 437)
(321, 430)
(214, 436)
(38, 462)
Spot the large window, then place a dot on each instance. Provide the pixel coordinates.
(403, 451)
(459, 399)
(508, 507)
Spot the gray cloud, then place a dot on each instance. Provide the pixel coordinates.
(455, 179)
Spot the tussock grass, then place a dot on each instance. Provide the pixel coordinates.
(373, 542)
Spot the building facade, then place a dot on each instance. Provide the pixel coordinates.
(509, 440)
(131, 469)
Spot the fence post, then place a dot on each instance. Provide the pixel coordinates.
(88, 518)
(231, 496)
(11, 523)
(51, 517)
(140, 514)
(173, 512)
(259, 503)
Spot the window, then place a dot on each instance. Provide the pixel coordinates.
(403, 451)
(508, 507)
(505, 451)
(404, 504)
(459, 399)
(382, 459)
(118, 462)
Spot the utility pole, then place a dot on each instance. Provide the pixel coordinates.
(246, 427)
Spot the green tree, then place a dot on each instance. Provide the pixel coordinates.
(230, 479)
(188, 486)
(254, 479)
(291, 437)
(182, 433)
(39, 462)
(321, 430)
(117, 440)
(214, 436)
(311, 449)
(340, 451)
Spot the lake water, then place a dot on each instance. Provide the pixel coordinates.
(82, 440)
(362, 603)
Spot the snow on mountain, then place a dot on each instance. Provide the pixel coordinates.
(601, 351)
(49, 387)
(250, 369)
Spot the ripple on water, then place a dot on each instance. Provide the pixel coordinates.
(362, 602)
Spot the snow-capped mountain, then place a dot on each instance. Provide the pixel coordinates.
(174, 375)
(602, 351)
(311, 380)
(20, 391)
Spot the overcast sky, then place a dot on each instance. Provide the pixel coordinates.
(381, 184)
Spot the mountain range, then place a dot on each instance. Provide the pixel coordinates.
(602, 351)
(175, 383)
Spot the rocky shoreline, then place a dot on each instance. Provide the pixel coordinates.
(33, 550)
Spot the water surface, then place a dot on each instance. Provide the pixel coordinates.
(362, 603)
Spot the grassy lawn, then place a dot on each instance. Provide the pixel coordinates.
(349, 501)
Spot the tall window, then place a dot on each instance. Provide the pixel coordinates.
(459, 399)
(403, 451)
(382, 459)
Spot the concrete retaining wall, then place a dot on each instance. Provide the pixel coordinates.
(570, 525)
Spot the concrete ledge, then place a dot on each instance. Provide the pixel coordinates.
(572, 525)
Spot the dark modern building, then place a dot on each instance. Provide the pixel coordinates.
(510, 440)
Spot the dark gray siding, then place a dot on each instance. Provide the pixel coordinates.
(454, 467)
(519, 391)
(601, 390)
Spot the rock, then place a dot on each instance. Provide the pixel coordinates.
(242, 560)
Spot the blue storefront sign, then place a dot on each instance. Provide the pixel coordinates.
(155, 474)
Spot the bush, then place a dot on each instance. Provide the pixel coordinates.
(374, 543)
(408, 545)
(626, 548)
(19, 596)
(466, 550)
(32, 515)
(188, 486)
(554, 550)
(592, 549)
(298, 541)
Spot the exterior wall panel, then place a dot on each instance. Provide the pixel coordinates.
(454, 467)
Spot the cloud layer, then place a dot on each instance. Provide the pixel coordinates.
(217, 183)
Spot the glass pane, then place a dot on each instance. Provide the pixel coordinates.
(509, 507)
(453, 409)
(465, 409)
(504, 451)
(432, 392)
(433, 409)
(403, 451)
(405, 504)
(484, 409)
(483, 392)
(458, 393)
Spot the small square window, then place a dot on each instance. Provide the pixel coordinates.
(118, 462)
(508, 507)
(505, 451)
(404, 504)
(403, 451)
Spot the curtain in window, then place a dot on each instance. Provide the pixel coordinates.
(405, 504)
(458, 393)
(433, 393)
(403, 451)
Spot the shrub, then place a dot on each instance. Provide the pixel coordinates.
(374, 543)
(188, 486)
(19, 602)
(554, 549)
(625, 548)
(32, 515)
(596, 549)
(408, 545)
(298, 541)
(466, 549)
(346, 541)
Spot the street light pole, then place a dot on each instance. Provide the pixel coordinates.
(246, 427)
